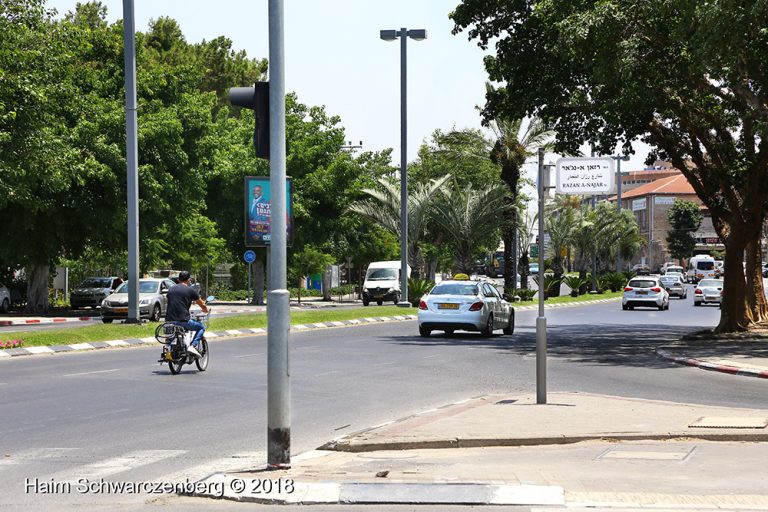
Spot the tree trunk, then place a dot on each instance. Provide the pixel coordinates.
(506, 235)
(524, 270)
(37, 288)
(258, 282)
(754, 268)
(735, 315)
(326, 284)
(513, 262)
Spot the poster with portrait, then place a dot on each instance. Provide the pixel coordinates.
(258, 211)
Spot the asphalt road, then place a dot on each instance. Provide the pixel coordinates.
(119, 414)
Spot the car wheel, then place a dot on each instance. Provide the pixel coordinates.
(5, 306)
(106, 320)
(624, 307)
(366, 302)
(487, 331)
(510, 328)
(449, 332)
(697, 303)
(661, 308)
(155, 316)
(379, 302)
(424, 332)
(396, 299)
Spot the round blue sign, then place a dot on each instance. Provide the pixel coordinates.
(249, 256)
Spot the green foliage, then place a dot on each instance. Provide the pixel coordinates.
(684, 218)
(307, 262)
(551, 285)
(613, 280)
(574, 283)
(418, 288)
(525, 294)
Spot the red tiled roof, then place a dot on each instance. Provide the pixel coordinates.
(674, 186)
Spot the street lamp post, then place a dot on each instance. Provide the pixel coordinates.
(391, 35)
(619, 158)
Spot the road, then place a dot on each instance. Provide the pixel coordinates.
(119, 414)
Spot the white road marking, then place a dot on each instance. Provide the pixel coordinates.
(247, 461)
(249, 355)
(327, 373)
(91, 373)
(109, 467)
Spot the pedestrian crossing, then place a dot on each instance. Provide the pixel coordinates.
(63, 465)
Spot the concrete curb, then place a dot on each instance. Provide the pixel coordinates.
(704, 365)
(288, 491)
(210, 335)
(54, 320)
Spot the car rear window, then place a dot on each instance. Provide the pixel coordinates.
(669, 279)
(642, 283)
(711, 282)
(705, 265)
(454, 289)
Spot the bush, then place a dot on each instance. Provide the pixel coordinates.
(417, 288)
(615, 281)
(550, 282)
(526, 294)
(574, 283)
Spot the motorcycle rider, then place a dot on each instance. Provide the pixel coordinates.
(180, 299)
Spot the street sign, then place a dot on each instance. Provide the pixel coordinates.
(249, 256)
(585, 176)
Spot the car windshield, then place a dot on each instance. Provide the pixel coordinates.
(144, 287)
(454, 289)
(705, 265)
(381, 274)
(715, 283)
(96, 283)
(642, 283)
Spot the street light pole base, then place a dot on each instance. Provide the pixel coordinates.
(404, 305)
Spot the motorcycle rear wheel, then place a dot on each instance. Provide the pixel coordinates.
(202, 362)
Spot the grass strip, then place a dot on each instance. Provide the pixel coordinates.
(106, 332)
(565, 299)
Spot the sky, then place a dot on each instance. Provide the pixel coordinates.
(334, 57)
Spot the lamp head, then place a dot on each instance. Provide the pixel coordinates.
(418, 34)
(388, 35)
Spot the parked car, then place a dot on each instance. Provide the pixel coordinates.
(92, 292)
(646, 291)
(708, 291)
(464, 305)
(153, 300)
(5, 299)
(673, 283)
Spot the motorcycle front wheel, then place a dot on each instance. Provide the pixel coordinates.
(175, 367)
(202, 362)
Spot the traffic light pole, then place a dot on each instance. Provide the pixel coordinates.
(278, 305)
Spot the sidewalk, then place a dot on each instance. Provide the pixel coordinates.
(577, 450)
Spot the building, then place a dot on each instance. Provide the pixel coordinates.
(650, 202)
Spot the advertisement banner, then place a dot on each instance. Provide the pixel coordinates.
(258, 211)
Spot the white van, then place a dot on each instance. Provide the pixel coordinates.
(701, 266)
(382, 282)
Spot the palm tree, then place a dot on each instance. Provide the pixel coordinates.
(383, 207)
(614, 232)
(561, 228)
(525, 224)
(468, 216)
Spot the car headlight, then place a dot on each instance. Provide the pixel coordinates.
(105, 303)
(143, 302)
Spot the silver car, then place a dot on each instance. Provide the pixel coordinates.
(459, 305)
(153, 300)
(91, 292)
(674, 285)
(708, 291)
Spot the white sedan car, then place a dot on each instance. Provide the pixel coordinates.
(708, 291)
(463, 305)
(5, 299)
(645, 291)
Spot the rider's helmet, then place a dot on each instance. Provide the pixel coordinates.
(183, 276)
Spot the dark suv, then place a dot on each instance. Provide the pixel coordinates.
(92, 291)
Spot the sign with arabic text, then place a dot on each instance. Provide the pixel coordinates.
(585, 176)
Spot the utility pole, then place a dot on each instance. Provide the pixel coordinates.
(541, 320)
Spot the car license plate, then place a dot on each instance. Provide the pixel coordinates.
(642, 293)
(121, 310)
(447, 306)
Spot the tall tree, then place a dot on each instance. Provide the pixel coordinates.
(684, 218)
(689, 78)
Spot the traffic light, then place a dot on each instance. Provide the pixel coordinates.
(255, 98)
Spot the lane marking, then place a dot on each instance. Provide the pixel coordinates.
(90, 373)
(108, 467)
(249, 355)
(327, 373)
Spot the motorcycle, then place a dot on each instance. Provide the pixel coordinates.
(175, 339)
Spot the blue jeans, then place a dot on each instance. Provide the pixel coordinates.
(193, 325)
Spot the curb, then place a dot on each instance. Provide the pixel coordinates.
(704, 365)
(564, 304)
(94, 345)
(288, 491)
(5, 323)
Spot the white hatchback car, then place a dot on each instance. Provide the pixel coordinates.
(645, 291)
(5, 299)
(708, 291)
(459, 305)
